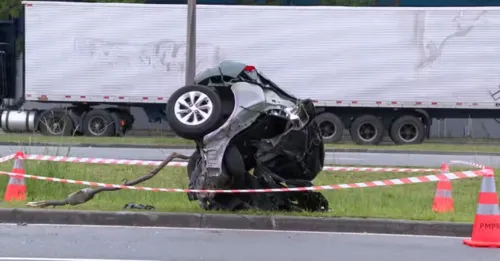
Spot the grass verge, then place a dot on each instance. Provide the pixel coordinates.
(411, 202)
(71, 140)
(173, 141)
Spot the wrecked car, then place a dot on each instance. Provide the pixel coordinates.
(249, 134)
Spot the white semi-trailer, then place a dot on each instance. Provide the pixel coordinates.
(374, 71)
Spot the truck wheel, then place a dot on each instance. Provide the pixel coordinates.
(122, 115)
(367, 130)
(56, 123)
(194, 111)
(98, 123)
(407, 129)
(331, 126)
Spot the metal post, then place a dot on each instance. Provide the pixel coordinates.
(191, 42)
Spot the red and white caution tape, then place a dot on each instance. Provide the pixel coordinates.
(100, 160)
(379, 183)
(7, 158)
(466, 163)
(374, 169)
(183, 164)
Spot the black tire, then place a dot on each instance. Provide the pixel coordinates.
(125, 115)
(193, 160)
(100, 119)
(414, 133)
(194, 132)
(56, 123)
(191, 167)
(235, 166)
(232, 161)
(373, 132)
(331, 126)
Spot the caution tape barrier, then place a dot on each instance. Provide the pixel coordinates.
(183, 164)
(466, 163)
(379, 183)
(7, 158)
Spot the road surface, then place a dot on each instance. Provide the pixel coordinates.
(341, 158)
(93, 242)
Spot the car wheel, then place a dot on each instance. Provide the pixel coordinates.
(367, 130)
(407, 129)
(194, 111)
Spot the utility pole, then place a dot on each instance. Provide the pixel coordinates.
(191, 42)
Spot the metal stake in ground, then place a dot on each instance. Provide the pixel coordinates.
(86, 194)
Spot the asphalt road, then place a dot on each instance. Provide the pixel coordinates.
(92, 242)
(341, 158)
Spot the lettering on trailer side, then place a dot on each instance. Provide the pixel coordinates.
(431, 51)
(166, 55)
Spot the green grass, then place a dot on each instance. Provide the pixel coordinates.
(411, 202)
(166, 141)
(70, 140)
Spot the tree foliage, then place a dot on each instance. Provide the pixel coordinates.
(10, 8)
(118, 1)
(13, 8)
(349, 2)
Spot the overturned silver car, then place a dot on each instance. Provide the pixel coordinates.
(250, 134)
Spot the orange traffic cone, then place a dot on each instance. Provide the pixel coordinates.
(486, 229)
(16, 189)
(443, 199)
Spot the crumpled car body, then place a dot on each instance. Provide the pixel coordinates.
(261, 137)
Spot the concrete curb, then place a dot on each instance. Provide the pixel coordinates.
(180, 146)
(226, 221)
